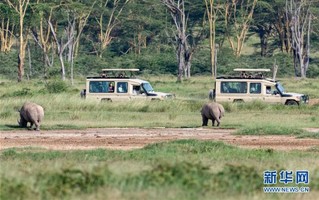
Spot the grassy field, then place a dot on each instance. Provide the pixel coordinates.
(64, 109)
(184, 169)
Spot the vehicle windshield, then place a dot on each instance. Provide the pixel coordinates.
(147, 87)
(280, 88)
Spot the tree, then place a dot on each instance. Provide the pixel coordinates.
(106, 15)
(177, 11)
(238, 16)
(77, 19)
(211, 11)
(300, 16)
(281, 25)
(263, 23)
(68, 24)
(20, 6)
(141, 25)
(41, 32)
(186, 44)
(7, 27)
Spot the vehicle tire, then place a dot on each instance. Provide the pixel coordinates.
(238, 101)
(292, 103)
(106, 100)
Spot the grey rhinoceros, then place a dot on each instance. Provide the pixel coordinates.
(31, 112)
(213, 111)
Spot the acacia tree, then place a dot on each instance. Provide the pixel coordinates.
(263, 24)
(20, 6)
(141, 25)
(186, 44)
(67, 32)
(300, 26)
(238, 16)
(77, 19)
(41, 32)
(106, 15)
(7, 27)
(281, 25)
(211, 11)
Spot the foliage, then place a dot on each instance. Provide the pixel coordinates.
(56, 86)
(141, 37)
(185, 169)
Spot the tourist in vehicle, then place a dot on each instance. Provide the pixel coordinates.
(111, 87)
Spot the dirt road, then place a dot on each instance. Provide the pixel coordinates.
(132, 138)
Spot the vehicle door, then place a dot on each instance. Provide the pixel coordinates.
(255, 91)
(271, 94)
(122, 91)
(137, 92)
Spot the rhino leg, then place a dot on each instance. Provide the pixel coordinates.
(218, 121)
(205, 120)
(37, 126)
(31, 124)
(23, 123)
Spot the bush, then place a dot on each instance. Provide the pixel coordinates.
(59, 184)
(56, 86)
(237, 178)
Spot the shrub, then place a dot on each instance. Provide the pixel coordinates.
(237, 178)
(56, 86)
(58, 184)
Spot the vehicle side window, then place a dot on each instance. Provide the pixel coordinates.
(255, 88)
(97, 87)
(137, 90)
(233, 87)
(101, 87)
(122, 87)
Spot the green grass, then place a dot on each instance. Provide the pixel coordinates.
(277, 130)
(185, 169)
(64, 109)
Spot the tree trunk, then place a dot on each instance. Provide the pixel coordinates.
(181, 60)
(263, 42)
(299, 15)
(211, 14)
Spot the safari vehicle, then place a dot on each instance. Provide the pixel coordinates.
(120, 85)
(251, 85)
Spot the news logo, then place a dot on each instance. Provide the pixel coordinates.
(289, 179)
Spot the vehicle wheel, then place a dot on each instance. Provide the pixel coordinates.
(238, 101)
(292, 103)
(106, 100)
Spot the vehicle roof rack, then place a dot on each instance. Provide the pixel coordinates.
(251, 70)
(120, 70)
(117, 73)
(251, 73)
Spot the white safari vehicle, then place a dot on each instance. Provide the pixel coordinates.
(251, 85)
(120, 85)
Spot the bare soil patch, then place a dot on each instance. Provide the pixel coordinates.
(133, 138)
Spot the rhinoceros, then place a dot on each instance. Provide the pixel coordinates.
(213, 111)
(31, 112)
